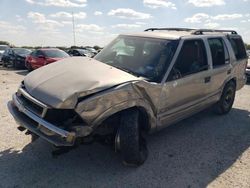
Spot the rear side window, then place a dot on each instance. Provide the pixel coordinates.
(33, 54)
(238, 47)
(39, 53)
(219, 51)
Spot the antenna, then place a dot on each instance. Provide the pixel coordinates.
(74, 33)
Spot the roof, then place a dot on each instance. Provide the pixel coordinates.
(177, 33)
(160, 34)
(45, 49)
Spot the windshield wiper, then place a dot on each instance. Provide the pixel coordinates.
(126, 70)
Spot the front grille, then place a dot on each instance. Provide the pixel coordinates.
(58, 117)
(62, 117)
(33, 107)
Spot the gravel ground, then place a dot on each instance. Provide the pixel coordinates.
(205, 150)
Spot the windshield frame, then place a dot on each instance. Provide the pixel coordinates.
(164, 69)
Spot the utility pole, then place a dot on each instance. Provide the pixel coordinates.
(74, 33)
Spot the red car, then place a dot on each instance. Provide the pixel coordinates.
(44, 56)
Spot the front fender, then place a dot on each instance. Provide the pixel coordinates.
(126, 105)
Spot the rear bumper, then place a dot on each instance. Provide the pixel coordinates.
(39, 126)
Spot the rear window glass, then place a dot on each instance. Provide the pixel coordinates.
(238, 47)
(219, 52)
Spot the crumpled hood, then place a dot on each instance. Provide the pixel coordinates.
(60, 84)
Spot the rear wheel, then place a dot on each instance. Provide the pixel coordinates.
(4, 64)
(227, 99)
(131, 142)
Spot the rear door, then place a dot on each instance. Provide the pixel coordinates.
(32, 59)
(240, 58)
(185, 90)
(221, 63)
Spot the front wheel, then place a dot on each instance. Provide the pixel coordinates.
(14, 65)
(131, 142)
(227, 99)
(29, 67)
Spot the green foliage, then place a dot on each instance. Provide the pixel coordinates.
(97, 47)
(4, 43)
(247, 46)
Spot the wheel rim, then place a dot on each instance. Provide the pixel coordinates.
(229, 97)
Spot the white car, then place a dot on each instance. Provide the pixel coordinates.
(2, 49)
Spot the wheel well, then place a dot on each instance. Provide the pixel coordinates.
(234, 81)
(112, 122)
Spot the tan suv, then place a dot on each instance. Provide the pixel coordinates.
(139, 83)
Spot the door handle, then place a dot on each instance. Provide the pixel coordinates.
(207, 79)
(229, 71)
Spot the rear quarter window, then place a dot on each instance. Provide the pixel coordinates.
(238, 48)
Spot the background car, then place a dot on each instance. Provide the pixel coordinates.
(92, 50)
(248, 66)
(248, 53)
(44, 56)
(80, 52)
(15, 57)
(2, 49)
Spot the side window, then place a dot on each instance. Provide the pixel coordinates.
(238, 47)
(218, 51)
(76, 53)
(38, 53)
(33, 54)
(192, 59)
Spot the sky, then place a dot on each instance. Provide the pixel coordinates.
(97, 22)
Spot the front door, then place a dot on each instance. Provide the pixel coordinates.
(185, 90)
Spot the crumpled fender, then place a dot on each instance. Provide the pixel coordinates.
(95, 109)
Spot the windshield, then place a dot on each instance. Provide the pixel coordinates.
(22, 51)
(55, 53)
(2, 48)
(146, 57)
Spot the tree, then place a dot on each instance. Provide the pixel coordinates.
(247, 46)
(4, 43)
(97, 47)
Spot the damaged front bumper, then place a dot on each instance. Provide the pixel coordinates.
(34, 122)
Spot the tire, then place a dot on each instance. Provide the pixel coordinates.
(29, 67)
(131, 142)
(14, 64)
(227, 99)
(4, 65)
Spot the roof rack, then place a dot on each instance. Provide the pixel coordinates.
(169, 29)
(194, 31)
(202, 31)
